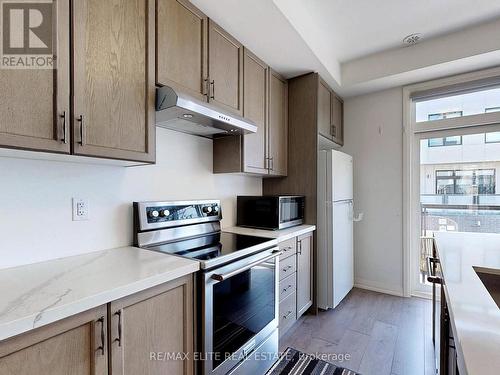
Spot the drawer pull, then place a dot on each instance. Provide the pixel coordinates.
(285, 289)
(287, 314)
(287, 268)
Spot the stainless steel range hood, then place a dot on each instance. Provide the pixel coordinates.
(181, 112)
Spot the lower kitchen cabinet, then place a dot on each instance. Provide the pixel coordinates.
(76, 346)
(296, 279)
(159, 319)
(304, 272)
(131, 336)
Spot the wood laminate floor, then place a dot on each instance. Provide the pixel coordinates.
(383, 334)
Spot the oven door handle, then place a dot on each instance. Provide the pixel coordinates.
(225, 276)
(432, 278)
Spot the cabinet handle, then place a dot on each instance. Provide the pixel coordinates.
(300, 247)
(64, 138)
(119, 338)
(334, 130)
(82, 130)
(103, 338)
(286, 288)
(287, 314)
(271, 163)
(212, 84)
(206, 88)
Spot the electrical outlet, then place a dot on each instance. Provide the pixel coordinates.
(80, 209)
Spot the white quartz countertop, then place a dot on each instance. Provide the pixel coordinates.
(41, 293)
(474, 314)
(280, 235)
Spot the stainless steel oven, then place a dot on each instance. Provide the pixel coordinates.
(240, 302)
(270, 211)
(237, 293)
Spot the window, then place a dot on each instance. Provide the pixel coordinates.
(440, 105)
(465, 182)
(492, 137)
(440, 116)
(445, 141)
(492, 109)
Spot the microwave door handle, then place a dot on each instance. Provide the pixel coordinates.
(225, 276)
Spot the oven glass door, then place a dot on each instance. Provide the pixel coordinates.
(243, 305)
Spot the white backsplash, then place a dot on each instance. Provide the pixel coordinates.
(36, 198)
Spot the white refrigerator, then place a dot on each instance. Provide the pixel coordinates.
(335, 276)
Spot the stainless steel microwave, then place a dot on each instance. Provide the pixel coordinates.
(270, 212)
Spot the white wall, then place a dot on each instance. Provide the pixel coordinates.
(35, 198)
(373, 135)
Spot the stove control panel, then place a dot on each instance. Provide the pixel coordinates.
(181, 213)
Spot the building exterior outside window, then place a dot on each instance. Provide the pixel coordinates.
(445, 141)
(443, 115)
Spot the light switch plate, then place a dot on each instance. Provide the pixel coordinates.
(80, 209)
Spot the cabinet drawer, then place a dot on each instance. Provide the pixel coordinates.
(287, 286)
(287, 267)
(288, 313)
(288, 247)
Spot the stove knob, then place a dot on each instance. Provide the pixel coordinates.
(153, 214)
(164, 213)
(207, 209)
(216, 208)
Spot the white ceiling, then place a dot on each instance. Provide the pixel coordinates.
(356, 45)
(356, 28)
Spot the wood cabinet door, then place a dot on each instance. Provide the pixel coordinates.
(255, 109)
(181, 47)
(324, 109)
(337, 120)
(159, 319)
(76, 346)
(113, 77)
(225, 69)
(35, 108)
(304, 273)
(278, 125)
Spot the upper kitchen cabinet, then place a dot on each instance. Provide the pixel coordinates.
(113, 77)
(225, 69)
(255, 109)
(264, 153)
(338, 120)
(278, 125)
(181, 47)
(330, 113)
(35, 106)
(324, 109)
(248, 153)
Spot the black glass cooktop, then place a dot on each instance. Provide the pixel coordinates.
(211, 246)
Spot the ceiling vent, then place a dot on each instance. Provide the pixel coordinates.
(412, 39)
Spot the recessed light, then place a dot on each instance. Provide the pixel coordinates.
(187, 115)
(412, 39)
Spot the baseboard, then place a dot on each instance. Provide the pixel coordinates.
(365, 284)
